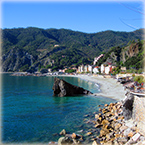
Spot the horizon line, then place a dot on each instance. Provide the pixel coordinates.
(71, 29)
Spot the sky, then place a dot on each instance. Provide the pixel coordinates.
(83, 16)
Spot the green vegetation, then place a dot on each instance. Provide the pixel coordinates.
(24, 68)
(70, 71)
(68, 58)
(130, 56)
(38, 47)
(139, 79)
(116, 70)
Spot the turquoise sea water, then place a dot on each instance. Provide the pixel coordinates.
(30, 113)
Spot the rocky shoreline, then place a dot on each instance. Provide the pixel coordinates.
(114, 125)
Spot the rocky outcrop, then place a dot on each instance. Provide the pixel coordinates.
(62, 88)
(17, 59)
(132, 54)
(114, 129)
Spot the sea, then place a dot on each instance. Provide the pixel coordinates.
(31, 114)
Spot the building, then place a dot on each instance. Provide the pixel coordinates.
(56, 45)
(123, 68)
(90, 68)
(97, 58)
(96, 70)
(49, 70)
(106, 69)
(86, 68)
(80, 69)
(62, 70)
(102, 68)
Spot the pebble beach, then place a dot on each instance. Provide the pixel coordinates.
(109, 87)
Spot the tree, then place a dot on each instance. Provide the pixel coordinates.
(70, 70)
(24, 68)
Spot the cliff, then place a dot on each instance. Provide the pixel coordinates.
(20, 60)
(131, 55)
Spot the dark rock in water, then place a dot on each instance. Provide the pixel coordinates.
(62, 88)
(128, 107)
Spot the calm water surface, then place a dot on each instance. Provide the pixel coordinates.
(30, 113)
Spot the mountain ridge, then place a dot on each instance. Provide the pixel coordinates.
(65, 47)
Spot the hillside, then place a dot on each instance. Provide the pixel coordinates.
(35, 48)
(129, 56)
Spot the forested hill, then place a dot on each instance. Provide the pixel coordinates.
(35, 47)
(131, 56)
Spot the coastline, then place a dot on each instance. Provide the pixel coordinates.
(108, 117)
(116, 124)
(109, 87)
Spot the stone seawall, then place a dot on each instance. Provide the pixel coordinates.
(139, 113)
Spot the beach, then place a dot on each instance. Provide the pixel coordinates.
(109, 87)
(117, 123)
(86, 119)
(29, 100)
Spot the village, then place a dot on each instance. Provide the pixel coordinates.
(105, 68)
(132, 81)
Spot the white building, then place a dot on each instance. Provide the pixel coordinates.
(90, 68)
(107, 69)
(86, 68)
(82, 68)
(102, 68)
(95, 70)
(62, 70)
(56, 45)
(97, 58)
(79, 69)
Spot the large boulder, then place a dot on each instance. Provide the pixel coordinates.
(62, 88)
